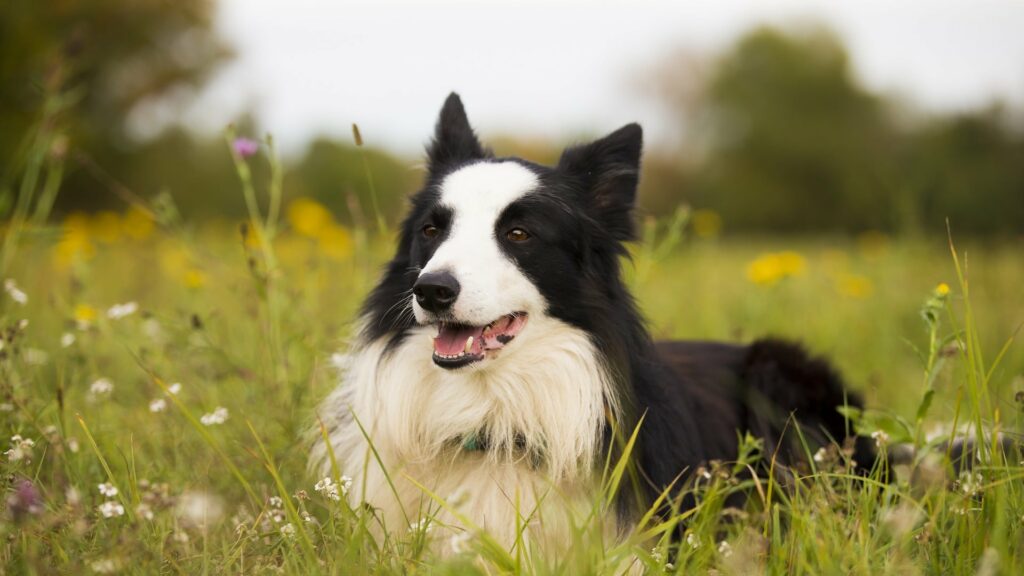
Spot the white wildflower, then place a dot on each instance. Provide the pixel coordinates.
(276, 502)
(111, 509)
(306, 516)
(35, 357)
(118, 311)
(328, 489)
(971, 482)
(105, 566)
(101, 387)
(67, 339)
(880, 437)
(724, 549)
(460, 542)
(73, 444)
(288, 531)
(73, 496)
(656, 555)
(144, 511)
(218, 416)
(157, 405)
(14, 292)
(199, 509)
(21, 448)
(421, 525)
(692, 540)
(174, 388)
(820, 455)
(108, 489)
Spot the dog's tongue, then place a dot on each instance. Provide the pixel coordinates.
(451, 340)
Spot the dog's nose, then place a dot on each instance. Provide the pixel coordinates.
(436, 291)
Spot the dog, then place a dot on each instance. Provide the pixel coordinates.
(501, 362)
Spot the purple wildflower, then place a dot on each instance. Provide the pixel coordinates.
(245, 147)
(24, 500)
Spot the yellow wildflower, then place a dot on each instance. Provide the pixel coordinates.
(768, 269)
(855, 286)
(194, 278)
(85, 314)
(105, 226)
(706, 223)
(942, 289)
(137, 223)
(308, 217)
(335, 242)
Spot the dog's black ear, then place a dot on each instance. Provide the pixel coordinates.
(610, 169)
(454, 140)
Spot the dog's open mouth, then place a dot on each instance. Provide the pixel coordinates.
(458, 345)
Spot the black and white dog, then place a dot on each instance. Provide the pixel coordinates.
(501, 348)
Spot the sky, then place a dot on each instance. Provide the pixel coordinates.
(567, 69)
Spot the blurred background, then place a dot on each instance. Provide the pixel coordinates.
(767, 118)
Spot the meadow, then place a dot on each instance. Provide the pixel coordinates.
(159, 378)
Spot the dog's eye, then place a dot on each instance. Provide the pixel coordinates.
(431, 231)
(518, 235)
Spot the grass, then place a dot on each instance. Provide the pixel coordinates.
(248, 322)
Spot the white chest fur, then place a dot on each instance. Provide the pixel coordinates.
(540, 404)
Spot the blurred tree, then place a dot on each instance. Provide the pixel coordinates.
(793, 142)
(120, 59)
(968, 168)
(782, 138)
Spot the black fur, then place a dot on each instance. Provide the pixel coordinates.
(695, 397)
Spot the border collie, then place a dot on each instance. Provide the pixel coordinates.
(501, 352)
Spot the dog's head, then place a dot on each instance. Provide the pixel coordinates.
(492, 245)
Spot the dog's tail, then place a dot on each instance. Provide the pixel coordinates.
(784, 384)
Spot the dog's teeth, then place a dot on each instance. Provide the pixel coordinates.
(469, 344)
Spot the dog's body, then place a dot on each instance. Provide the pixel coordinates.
(501, 349)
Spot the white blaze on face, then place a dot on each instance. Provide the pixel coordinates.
(490, 283)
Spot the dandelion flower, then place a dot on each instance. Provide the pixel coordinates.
(101, 387)
(111, 509)
(309, 217)
(157, 405)
(84, 316)
(137, 223)
(218, 416)
(245, 147)
(118, 311)
(14, 292)
(107, 489)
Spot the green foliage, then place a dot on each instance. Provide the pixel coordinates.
(790, 142)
